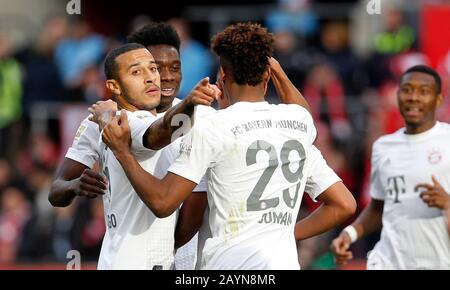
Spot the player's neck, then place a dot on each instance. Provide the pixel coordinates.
(412, 129)
(247, 94)
(162, 109)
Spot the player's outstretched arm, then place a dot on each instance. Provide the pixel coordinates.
(164, 196)
(369, 221)
(286, 90)
(190, 218)
(75, 179)
(172, 125)
(162, 132)
(338, 205)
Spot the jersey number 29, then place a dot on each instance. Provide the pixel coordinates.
(254, 201)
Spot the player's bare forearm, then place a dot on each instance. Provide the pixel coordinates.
(164, 196)
(190, 218)
(321, 220)
(338, 205)
(75, 179)
(286, 90)
(62, 193)
(160, 133)
(370, 219)
(152, 191)
(149, 188)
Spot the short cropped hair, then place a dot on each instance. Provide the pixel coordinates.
(110, 60)
(426, 70)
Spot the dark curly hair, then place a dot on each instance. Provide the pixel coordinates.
(156, 33)
(244, 48)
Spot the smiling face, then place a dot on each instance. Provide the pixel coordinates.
(169, 66)
(418, 100)
(138, 81)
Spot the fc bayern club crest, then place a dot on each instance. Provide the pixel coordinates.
(434, 157)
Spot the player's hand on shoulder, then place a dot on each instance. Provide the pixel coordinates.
(117, 134)
(91, 184)
(340, 248)
(103, 112)
(203, 93)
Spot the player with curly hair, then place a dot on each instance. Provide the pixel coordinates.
(258, 159)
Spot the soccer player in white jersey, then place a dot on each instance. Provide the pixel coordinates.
(319, 182)
(409, 186)
(135, 238)
(257, 158)
(75, 176)
(163, 42)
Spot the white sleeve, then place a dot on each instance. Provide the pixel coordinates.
(198, 151)
(376, 187)
(85, 147)
(202, 186)
(168, 156)
(321, 175)
(138, 127)
(313, 130)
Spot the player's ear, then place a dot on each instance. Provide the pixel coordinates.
(266, 78)
(222, 74)
(439, 100)
(114, 87)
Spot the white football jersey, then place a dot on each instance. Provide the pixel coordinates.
(321, 178)
(413, 236)
(185, 256)
(204, 233)
(135, 238)
(158, 239)
(85, 147)
(257, 158)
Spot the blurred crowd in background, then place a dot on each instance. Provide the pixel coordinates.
(345, 62)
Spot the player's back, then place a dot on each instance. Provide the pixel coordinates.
(135, 238)
(256, 179)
